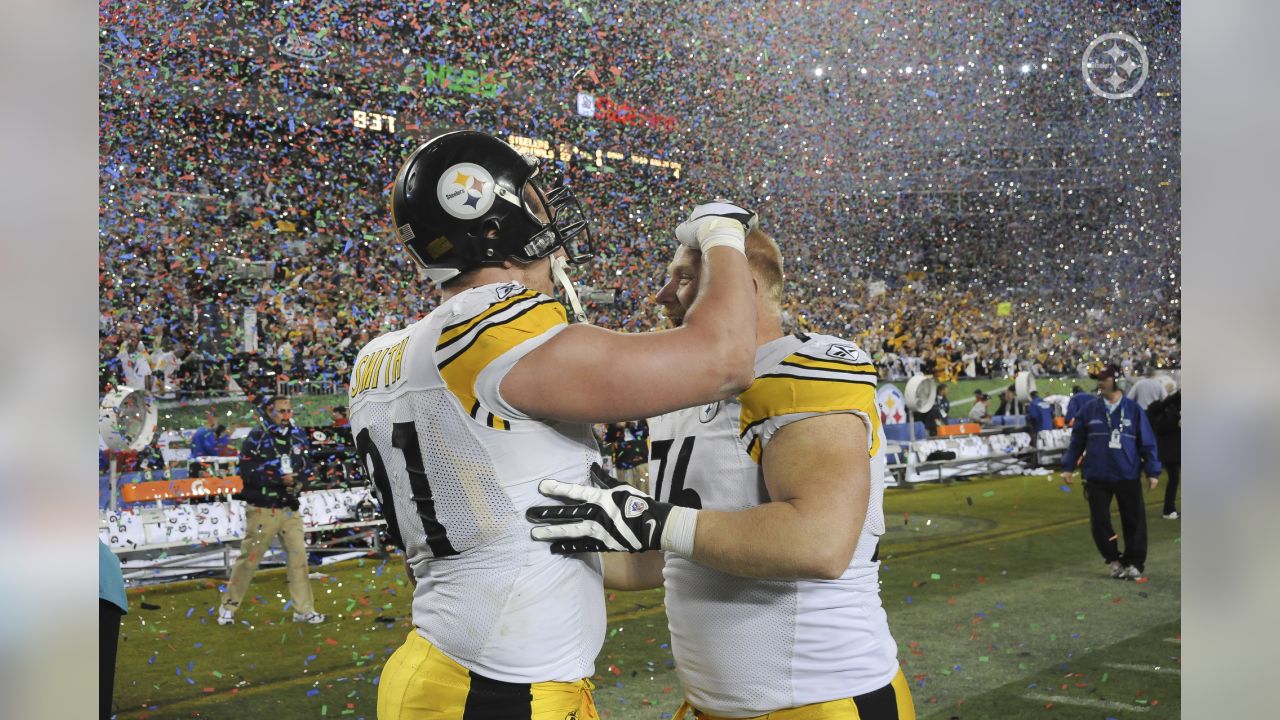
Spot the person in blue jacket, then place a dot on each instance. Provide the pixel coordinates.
(1039, 415)
(1114, 438)
(1079, 398)
(209, 441)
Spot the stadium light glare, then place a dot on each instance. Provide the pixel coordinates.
(1025, 68)
(817, 72)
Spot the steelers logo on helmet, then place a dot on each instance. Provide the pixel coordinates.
(466, 191)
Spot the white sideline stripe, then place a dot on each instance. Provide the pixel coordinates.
(1176, 641)
(1086, 702)
(1144, 668)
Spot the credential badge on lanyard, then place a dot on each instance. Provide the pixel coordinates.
(286, 462)
(1114, 444)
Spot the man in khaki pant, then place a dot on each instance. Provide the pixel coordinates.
(271, 460)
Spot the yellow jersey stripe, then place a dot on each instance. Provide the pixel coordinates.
(516, 319)
(778, 394)
(461, 370)
(804, 361)
(452, 333)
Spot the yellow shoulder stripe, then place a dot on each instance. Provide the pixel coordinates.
(775, 395)
(453, 332)
(461, 370)
(798, 360)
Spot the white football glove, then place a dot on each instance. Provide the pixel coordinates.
(716, 223)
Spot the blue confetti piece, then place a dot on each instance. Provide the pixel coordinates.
(313, 692)
(1064, 488)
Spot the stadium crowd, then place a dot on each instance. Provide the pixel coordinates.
(974, 247)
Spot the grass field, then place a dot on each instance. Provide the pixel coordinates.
(998, 600)
(314, 409)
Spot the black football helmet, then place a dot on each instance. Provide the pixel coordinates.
(466, 199)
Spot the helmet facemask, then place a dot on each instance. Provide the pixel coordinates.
(557, 221)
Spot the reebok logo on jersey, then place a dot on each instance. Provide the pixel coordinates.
(506, 291)
(844, 352)
(635, 507)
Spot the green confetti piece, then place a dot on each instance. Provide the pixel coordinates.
(932, 576)
(989, 493)
(217, 674)
(983, 658)
(1105, 676)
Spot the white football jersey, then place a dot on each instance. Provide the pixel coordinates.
(746, 646)
(456, 467)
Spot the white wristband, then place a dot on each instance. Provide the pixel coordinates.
(677, 534)
(724, 239)
(713, 231)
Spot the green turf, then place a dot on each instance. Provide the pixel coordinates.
(314, 409)
(998, 600)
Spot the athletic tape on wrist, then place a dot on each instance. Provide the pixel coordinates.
(677, 534)
(726, 238)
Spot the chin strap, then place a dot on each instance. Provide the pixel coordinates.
(558, 266)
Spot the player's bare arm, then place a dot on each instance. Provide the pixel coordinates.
(818, 474)
(589, 374)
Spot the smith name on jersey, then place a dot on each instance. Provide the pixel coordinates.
(745, 646)
(455, 467)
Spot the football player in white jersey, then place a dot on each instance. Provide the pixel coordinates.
(458, 416)
(773, 598)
